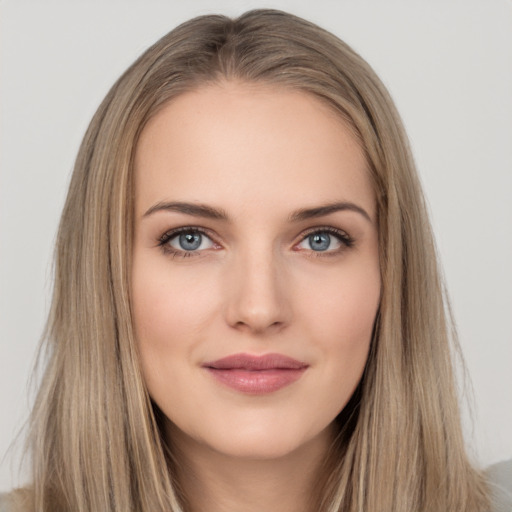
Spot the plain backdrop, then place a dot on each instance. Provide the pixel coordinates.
(448, 65)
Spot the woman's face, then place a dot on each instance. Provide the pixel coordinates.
(255, 275)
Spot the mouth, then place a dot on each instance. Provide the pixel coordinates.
(256, 374)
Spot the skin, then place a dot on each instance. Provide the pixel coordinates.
(255, 285)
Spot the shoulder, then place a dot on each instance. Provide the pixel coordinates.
(16, 501)
(499, 477)
(4, 505)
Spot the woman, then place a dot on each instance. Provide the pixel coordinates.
(247, 311)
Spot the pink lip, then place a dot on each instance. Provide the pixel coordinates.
(256, 374)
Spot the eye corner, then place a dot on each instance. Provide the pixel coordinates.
(325, 236)
(204, 241)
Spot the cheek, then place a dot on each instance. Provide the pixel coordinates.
(171, 313)
(342, 306)
(340, 314)
(166, 300)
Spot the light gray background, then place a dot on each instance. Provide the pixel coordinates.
(448, 65)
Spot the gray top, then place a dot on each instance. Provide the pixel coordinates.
(500, 481)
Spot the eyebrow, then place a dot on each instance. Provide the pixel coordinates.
(320, 211)
(197, 210)
(209, 212)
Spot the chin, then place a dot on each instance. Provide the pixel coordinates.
(268, 447)
(263, 441)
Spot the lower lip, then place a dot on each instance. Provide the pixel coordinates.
(257, 382)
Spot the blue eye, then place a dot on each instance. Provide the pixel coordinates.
(186, 241)
(326, 240)
(319, 241)
(190, 241)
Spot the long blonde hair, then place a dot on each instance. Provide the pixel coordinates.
(96, 441)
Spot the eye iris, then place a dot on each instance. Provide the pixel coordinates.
(190, 241)
(319, 241)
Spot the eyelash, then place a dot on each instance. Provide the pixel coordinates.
(346, 240)
(164, 240)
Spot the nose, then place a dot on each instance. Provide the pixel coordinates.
(259, 301)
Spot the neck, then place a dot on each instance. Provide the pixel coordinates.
(218, 482)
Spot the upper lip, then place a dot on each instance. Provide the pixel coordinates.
(255, 362)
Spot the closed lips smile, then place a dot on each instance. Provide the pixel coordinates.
(256, 374)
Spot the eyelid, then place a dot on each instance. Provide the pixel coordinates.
(171, 233)
(327, 228)
(163, 240)
(343, 237)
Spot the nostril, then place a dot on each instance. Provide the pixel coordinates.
(258, 300)
(259, 327)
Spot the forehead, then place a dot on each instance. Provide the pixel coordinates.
(252, 143)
